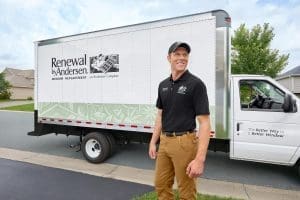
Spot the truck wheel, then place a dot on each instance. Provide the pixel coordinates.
(112, 143)
(95, 147)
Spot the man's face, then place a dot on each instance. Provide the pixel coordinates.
(178, 59)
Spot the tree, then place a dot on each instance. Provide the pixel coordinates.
(4, 88)
(251, 53)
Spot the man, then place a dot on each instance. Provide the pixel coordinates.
(182, 99)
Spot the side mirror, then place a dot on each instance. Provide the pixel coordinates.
(288, 103)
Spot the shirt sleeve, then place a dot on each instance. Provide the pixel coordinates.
(200, 99)
(158, 101)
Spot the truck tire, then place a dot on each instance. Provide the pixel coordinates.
(112, 143)
(95, 147)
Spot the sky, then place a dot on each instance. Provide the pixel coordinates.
(23, 22)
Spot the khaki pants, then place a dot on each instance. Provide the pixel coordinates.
(174, 155)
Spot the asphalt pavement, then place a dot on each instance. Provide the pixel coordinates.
(23, 181)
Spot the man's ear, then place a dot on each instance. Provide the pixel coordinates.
(169, 58)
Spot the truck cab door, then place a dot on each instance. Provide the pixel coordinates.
(262, 130)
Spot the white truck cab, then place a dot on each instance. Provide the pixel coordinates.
(265, 121)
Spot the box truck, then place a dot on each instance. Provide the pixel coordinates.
(102, 86)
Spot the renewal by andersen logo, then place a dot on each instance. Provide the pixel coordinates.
(78, 68)
(71, 66)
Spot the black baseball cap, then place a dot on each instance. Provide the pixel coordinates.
(178, 44)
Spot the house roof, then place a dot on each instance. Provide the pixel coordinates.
(293, 72)
(19, 78)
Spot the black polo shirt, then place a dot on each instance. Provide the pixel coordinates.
(181, 101)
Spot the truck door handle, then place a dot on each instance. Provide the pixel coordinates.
(238, 126)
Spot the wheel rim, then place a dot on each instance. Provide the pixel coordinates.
(93, 148)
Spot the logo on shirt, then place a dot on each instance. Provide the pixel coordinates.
(165, 89)
(182, 90)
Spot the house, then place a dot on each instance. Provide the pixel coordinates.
(291, 80)
(22, 82)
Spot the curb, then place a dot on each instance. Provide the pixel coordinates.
(18, 111)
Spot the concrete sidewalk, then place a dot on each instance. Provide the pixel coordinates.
(14, 103)
(206, 186)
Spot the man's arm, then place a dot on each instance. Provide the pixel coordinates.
(155, 135)
(196, 166)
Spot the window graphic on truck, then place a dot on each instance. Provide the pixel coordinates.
(104, 63)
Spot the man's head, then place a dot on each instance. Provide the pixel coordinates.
(178, 56)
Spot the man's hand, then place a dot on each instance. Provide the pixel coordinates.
(152, 151)
(195, 168)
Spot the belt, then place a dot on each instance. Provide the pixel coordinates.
(174, 134)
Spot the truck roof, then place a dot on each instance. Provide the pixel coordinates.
(67, 36)
(248, 75)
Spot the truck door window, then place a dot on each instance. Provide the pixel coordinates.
(260, 95)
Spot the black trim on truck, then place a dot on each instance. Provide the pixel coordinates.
(39, 128)
(216, 144)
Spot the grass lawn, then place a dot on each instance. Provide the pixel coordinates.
(4, 100)
(25, 107)
(9, 100)
(153, 196)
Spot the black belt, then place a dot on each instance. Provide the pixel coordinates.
(173, 134)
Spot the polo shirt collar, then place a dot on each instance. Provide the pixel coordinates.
(184, 76)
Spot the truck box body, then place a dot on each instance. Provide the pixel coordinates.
(109, 79)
